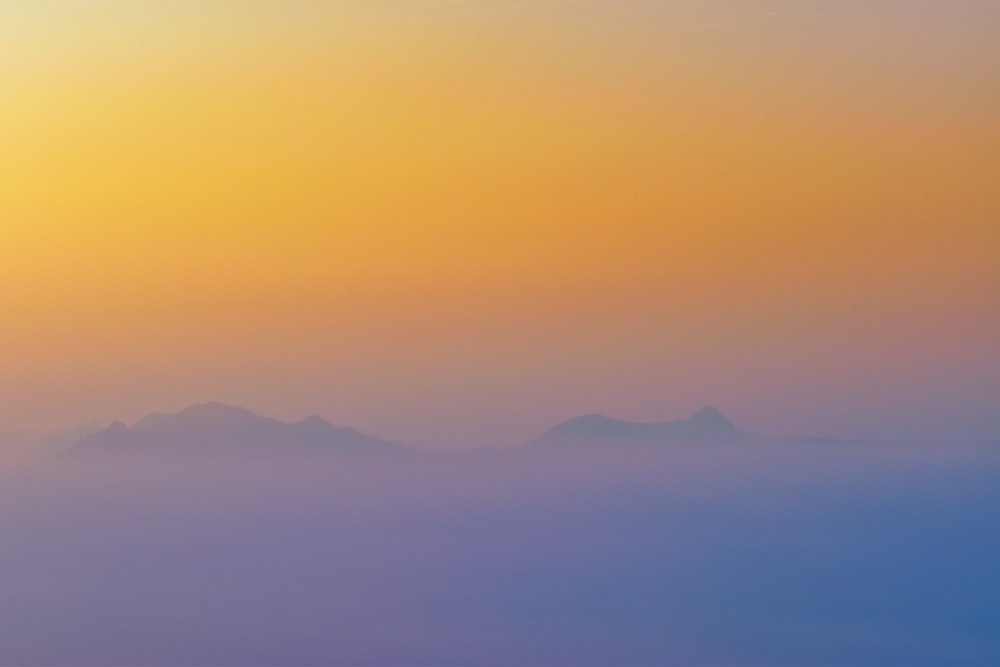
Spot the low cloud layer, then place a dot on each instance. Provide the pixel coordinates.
(752, 555)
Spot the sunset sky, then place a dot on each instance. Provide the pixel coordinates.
(455, 223)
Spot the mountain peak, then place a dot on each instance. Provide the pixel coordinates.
(318, 427)
(116, 427)
(711, 417)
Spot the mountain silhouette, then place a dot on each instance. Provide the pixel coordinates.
(215, 428)
(708, 424)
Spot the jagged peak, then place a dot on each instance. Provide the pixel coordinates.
(712, 416)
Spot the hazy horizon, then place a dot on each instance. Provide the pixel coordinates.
(40, 446)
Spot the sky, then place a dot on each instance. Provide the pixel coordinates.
(456, 223)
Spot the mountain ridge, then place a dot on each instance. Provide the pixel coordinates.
(220, 429)
(708, 424)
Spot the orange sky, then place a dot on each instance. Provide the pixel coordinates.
(455, 223)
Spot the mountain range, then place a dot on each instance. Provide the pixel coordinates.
(214, 428)
(218, 429)
(708, 424)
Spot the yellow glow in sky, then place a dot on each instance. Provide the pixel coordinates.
(465, 220)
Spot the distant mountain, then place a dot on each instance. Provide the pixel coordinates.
(708, 424)
(217, 429)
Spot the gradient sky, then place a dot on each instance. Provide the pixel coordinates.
(455, 223)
